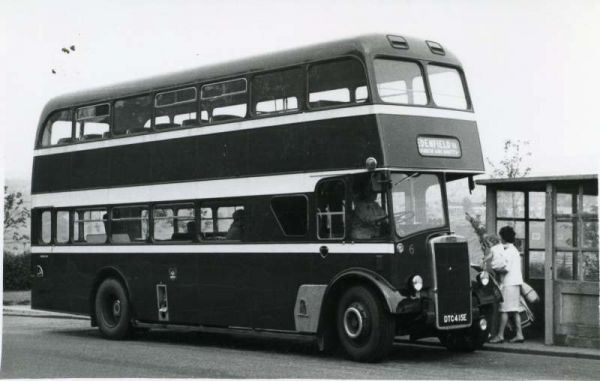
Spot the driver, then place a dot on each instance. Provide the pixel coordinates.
(369, 217)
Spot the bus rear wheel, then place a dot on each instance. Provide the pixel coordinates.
(113, 312)
(365, 329)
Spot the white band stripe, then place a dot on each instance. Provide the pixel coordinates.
(224, 248)
(193, 190)
(260, 123)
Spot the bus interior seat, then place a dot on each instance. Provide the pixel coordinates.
(120, 238)
(318, 104)
(65, 140)
(189, 123)
(91, 136)
(164, 126)
(224, 117)
(137, 130)
(95, 238)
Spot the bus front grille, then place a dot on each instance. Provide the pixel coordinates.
(452, 283)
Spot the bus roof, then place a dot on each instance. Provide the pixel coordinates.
(361, 46)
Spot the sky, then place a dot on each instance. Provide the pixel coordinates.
(532, 66)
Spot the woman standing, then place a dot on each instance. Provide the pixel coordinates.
(511, 287)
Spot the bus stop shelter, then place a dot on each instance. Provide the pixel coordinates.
(556, 221)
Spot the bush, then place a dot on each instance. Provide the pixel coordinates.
(16, 271)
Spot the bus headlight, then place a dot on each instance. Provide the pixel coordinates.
(484, 278)
(417, 283)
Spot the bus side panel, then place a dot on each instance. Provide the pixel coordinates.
(269, 150)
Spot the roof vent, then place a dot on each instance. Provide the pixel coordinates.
(398, 42)
(436, 48)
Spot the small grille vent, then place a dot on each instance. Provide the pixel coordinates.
(398, 42)
(436, 48)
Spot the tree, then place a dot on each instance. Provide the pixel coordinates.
(16, 215)
(511, 163)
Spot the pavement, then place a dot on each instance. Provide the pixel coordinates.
(529, 347)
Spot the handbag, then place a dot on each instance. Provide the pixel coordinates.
(529, 293)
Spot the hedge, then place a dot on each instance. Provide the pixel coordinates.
(16, 271)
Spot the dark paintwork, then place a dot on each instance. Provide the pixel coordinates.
(301, 147)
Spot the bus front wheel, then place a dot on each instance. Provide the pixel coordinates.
(113, 312)
(365, 329)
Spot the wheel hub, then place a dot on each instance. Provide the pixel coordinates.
(353, 322)
(116, 308)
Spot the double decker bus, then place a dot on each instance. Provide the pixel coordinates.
(301, 193)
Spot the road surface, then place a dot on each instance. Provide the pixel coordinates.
(35, 347)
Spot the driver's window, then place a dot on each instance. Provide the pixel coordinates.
(368, 216)
(331, 209)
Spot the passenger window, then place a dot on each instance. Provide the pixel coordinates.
(129, 224)
(89, 226)
(331, 209)
(277, 92)
(93, 122)
(291, 212)
(224, 101)
(446, 87)
(336, 83)
(62, 226)
(133, 115)
(174, 223)
(58, 129)
(222, 223)
(400, 82)
(46, 228)
(176, 109)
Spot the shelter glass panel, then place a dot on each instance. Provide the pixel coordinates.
(590, 234)
(589, 265)
(537, 234)
(590, 205)
(564, 265)
(564, 234)
(537, 205)
(536, 264)
(564, 203)
(510, 204)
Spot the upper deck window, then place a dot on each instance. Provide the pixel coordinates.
(133, 115)
(176, 109)
(223, 101)
(277, 92)
(93, 122)
(400, 82)
(336, 83)
(446, 87)
(58, 129)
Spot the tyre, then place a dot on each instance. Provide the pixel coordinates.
(365, 329)
(113, 312)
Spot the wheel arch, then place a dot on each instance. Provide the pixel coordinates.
(105, 273)
(351, 277)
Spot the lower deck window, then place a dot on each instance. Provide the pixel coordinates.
(331, 210)
(174, 223)
(222, 222)
(129, 224)
(89, 226)
(46, 235)
(62, 226)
